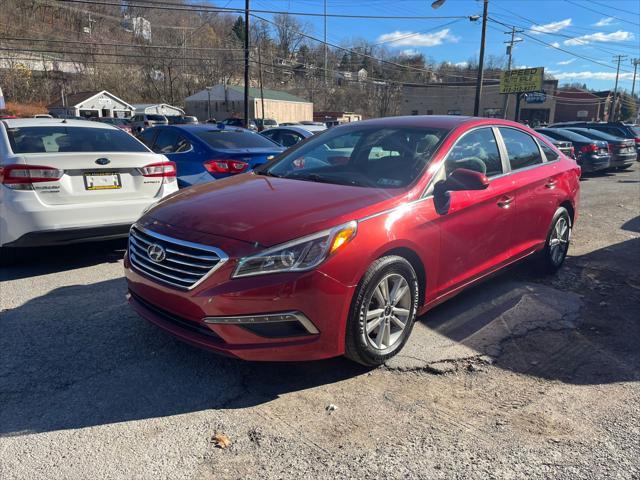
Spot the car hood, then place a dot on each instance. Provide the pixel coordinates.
(267, 210)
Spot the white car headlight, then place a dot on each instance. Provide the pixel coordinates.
(297, 255)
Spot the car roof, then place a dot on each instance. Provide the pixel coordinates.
(434, 121)
(292, 128)
(193, 128)
(50, 122)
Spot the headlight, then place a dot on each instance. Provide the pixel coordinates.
(298, 255)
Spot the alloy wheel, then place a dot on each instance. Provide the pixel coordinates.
(388, 311)
(559, 240)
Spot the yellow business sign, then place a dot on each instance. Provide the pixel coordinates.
(522, 81)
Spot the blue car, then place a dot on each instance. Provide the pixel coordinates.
(206, 152)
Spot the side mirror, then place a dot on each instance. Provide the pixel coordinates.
(465, 179)
(460, 179)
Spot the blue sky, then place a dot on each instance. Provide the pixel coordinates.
(594, 30)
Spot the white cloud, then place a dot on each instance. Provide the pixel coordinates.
(461, 64)
(555, 44)
(552, 27)
(414, 39)
(588, 75)
(409, 52)
(619, 36)
(567, 62)
(603, 22)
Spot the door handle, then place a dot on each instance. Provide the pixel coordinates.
(551, 184)
(505, 202)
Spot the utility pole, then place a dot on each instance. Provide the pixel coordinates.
(612, 113)
(246, 64)
(326, 50)
(485, 13)
(511, 43)
(635, 62)
(476, 104)
(261, 85)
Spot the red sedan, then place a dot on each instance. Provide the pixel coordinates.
(338, 244)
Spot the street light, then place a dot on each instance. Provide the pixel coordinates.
(209, 102)
(480, 79)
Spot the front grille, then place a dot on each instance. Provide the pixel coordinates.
(176, 262)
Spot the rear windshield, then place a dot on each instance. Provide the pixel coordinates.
(157, 118)
(234, 139)
(563, 134)
(597, 134)
(635, 130)
(71, 139)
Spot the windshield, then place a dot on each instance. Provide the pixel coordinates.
(71, 139)
(390, 157)
(219, 138)
(157, 118)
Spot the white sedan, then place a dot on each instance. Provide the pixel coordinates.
(66, 181)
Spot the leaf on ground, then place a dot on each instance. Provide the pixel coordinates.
(220, 440)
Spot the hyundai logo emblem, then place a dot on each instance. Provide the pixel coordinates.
(103, 161)
(156, 253)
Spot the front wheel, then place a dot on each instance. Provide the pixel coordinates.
(557, 244)
(383, 311)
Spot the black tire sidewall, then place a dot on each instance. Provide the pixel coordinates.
(358, 347)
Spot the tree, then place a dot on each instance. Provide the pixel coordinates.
(238, 29)
(628, 107)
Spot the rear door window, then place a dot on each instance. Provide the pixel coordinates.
(522, 149)
(166, 141)
(477, 151)
(549, 152)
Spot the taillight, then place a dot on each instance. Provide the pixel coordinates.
(225, 166)
(592, 147)
(166, 170)
(21, 177)
(637, 140)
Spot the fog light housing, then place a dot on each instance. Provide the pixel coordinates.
(270, 325)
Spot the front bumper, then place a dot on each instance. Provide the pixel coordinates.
(217, 314)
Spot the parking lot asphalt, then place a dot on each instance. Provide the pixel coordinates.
(520, 377)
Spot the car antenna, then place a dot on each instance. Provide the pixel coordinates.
(64, 120)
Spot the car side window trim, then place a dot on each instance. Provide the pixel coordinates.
(524, 169)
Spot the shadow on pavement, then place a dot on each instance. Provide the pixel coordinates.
(44, 260)
(79, 357)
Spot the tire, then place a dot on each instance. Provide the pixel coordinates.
(557, 245)
(395, 317)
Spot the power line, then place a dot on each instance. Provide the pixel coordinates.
(532, 37)
(600, 13)
(124, 45)
(158, 5)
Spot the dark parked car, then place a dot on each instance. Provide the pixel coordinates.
(182, 120)
(203, 153)
(617, 129)
(239, 122)
(287, 136)
(565, 146)
(623, 151)
(591, 155)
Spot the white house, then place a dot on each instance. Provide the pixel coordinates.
(91, 104)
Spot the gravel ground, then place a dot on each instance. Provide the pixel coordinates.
(520, 377)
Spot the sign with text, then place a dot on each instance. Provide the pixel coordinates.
(521, 81)
(535, 97)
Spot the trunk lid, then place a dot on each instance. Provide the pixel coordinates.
(95, 177)
(252, 156)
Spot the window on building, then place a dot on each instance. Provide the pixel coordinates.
(454, 112)
(414, 112)
(522, 149)
(429, 112)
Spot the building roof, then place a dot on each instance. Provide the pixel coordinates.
(75, 99)
(269, 94)
(254, 93)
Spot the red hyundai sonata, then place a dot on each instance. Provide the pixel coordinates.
(335, 246)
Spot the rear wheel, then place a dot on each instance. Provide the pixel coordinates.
(558, 239)
(383, 311)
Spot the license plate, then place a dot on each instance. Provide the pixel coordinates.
(102, 181)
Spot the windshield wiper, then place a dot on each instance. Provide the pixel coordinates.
(316, 177)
